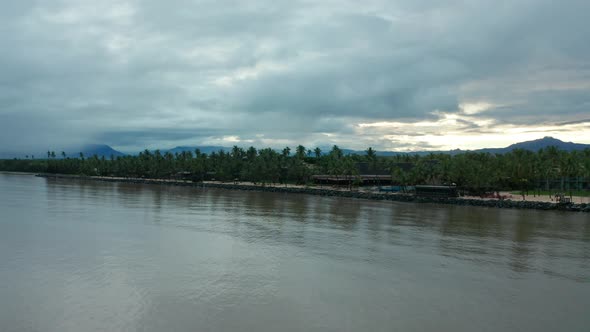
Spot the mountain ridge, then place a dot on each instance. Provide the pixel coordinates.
(103, 150)
(532, 145)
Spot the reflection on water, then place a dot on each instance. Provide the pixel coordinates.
(88, 256)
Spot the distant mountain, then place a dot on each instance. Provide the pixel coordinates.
(536, 145)
(100, 150)
(72, 152)
(546, 142)
(106, 151)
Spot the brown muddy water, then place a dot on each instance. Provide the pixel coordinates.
(91, 256)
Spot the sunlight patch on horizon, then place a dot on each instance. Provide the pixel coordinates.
(457, 131)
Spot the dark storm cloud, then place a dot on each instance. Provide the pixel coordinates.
(146, 72)
(154, 136)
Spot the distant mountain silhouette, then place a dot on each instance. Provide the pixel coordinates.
(534, 145)
(89, 150)
(101, 150)
(542, 143)
(106, 151)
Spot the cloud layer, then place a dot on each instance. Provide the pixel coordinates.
(389, 74)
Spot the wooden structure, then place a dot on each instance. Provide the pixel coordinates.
(560, 198)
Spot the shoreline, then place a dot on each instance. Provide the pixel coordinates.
(408, 198)
(17, 173)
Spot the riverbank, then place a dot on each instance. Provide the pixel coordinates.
(15, 173)
(339, 192)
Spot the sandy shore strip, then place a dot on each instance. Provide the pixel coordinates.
(341, 192)
(534, 198)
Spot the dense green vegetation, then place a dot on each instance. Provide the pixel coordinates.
(520, 170)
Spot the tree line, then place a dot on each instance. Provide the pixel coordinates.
(522, 170)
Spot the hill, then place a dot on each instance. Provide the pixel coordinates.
(538, 144)
(534, 145)
(101, 150)
(106, 151)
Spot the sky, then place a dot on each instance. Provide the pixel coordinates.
(395, 75)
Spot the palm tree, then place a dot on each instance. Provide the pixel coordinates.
(300, 151)
(550, 164)
(569, 169)
(318, 152)
(251, 153)
(349, 170)
(371, 155)
(372, 158)
(237, 152)
(286, 151)
(336, 152)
